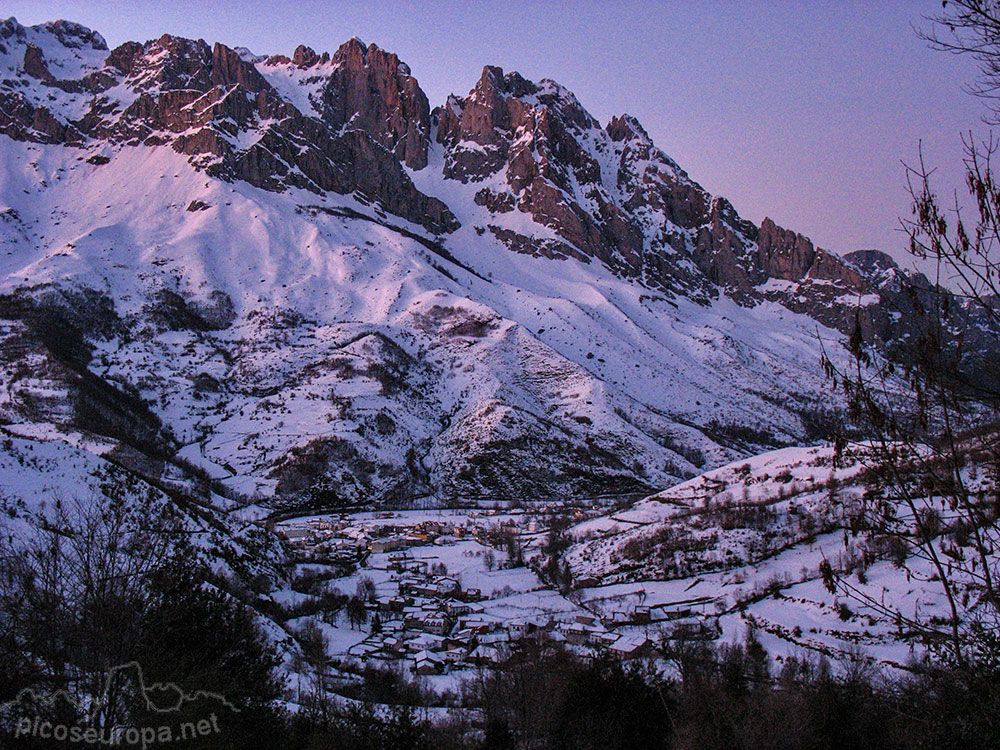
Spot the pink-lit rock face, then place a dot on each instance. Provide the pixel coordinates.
(366, 113)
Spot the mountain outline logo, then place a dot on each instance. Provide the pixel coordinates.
(30, 696)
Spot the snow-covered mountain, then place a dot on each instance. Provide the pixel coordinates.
(292, 278)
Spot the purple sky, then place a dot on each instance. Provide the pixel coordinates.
(802, 111)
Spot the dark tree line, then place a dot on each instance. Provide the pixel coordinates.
(103, 598)
(713, 697)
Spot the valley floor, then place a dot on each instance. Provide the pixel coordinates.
(447, 591)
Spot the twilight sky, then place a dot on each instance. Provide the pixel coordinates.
(802, 111)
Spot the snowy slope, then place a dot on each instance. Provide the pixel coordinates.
(50, 479)
(293, 275)
(244, 284)
(305, 302)
(741, 546)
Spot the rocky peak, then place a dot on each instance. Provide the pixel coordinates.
(626, 127)
(169, 62)
(72, 34)
(503, 106)
(218, 106)
(229, 68)
(54, 53)
(10, 28)
(784, 254)
(722, 251)
(371, 90)
(353, 49)
(485, 116)
(807, 279)
(609, 193)
(881, 271)
(872, 263)
(506, 114)
(306, 57)
(494, 84)
(124, 57)
(65, 33)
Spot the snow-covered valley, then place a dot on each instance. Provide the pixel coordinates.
(507, 372)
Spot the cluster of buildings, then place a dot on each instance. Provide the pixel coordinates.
(430, 620)
(437, 625)
(330, 538)
(343, 538)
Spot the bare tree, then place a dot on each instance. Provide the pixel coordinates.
(74, 584)
(315, 654)
(365, 589)
(931, 407)
(357, 614)
(971, 27)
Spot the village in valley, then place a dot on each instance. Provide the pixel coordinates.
(449, 590)
(438, 593)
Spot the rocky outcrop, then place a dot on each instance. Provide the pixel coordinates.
(216, 106)
(34, 64)
(487, 117)
(722, 252)
(228, 68)
(784, 254)
(818, 283)
(369, 89)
